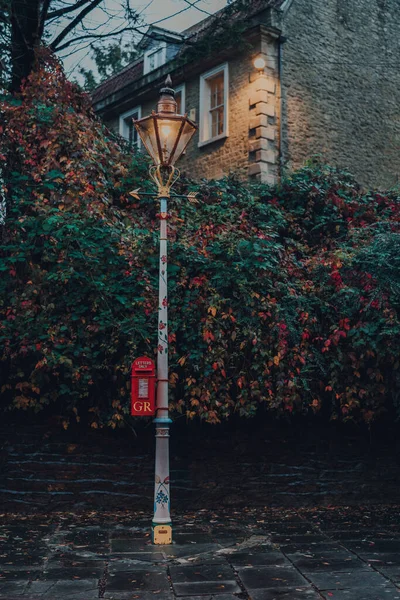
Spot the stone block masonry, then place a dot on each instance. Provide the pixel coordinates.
(341, 82)
(264, 110)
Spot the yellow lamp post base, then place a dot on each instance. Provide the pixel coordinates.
(162, 534)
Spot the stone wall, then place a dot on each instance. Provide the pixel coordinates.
(341, 86)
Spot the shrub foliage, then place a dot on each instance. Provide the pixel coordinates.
(281, 298)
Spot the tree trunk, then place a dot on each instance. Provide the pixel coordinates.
(25, 23)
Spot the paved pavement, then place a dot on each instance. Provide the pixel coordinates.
(330, 553)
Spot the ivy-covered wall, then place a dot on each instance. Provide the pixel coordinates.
(282, 299)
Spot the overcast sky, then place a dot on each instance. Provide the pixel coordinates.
(171, 14)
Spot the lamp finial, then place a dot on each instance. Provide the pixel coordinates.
(167, 102)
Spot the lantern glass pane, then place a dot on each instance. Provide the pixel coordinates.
(168, 130)
(189, 129)
(146, 129)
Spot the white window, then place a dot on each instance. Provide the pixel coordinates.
(154, 58)
(180, 97)
(126, 128)
(214, 86)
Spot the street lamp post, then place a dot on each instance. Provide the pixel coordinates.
(165, 134)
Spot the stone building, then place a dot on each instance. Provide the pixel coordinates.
(329, 85)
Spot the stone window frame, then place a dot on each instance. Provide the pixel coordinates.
(124, 126)
(204, 105)
(148, 54)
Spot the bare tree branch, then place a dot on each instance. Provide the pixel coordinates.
(193, 5)
(64, 11)
(55, 44)
(98, 36)
(92, 36)
(152, 36)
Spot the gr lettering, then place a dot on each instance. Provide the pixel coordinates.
(142, 406)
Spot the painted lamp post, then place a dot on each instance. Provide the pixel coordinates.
(165, 135)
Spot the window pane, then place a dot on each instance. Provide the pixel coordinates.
(217, 121)
(178, 98)
(155, 59)
(130, 129)
(132, 134)
(216, 90)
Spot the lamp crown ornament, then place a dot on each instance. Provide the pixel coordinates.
(167, 102)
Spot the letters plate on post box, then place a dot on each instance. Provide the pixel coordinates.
(143, 387)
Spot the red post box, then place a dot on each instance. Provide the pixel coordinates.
(143, 387)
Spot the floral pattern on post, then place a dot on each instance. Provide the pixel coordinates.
(162, 492)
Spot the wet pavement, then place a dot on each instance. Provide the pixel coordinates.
(259, 554)
(254, 517)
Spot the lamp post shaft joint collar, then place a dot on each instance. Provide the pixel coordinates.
(162, 420)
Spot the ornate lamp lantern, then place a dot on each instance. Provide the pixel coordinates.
(165, 134)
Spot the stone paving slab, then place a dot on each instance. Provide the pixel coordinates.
(306, 593)
(212, 597)
(205, 579)
(253, 559)
(201, 588)
(149, 580)
(139, 595)
(271, 577)
(388, 592)
(325, 564)
(356, 579)
(187, 574)
(310, 547)
(9, 589)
